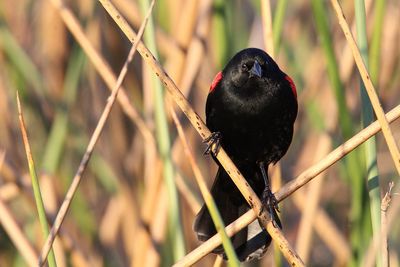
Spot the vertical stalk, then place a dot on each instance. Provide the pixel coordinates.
(59, 128)
(352, 163)
(35, 184)
(367, 118)
(375, 48)
(175, 231)
(220, 33)
(277, 24)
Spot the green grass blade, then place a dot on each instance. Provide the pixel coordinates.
(175, 230)
(21, 60)
(332, 66)
(59, 128)
(375, 48)
(367, 118)
(220, 33)
(219, 225)
(354, 170)
(35, 184)
(277, 23)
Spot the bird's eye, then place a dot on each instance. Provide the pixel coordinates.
(245, 67)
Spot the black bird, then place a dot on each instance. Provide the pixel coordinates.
(250, 109)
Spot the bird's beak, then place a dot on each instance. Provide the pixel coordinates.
(256, 70)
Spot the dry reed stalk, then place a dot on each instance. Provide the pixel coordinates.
(394, 260)
(391, 37)
(375, 244)
(151, 155)
(335, 155)
(199, 125)
(131, 224)
(205, 248)
(9, 175)
(187, 194)
(174, 7)
(158, 229)
(93, 140)
(48, 191)
(166, 44)
(66, 240)
(145, 246)
(151, 194)
(328, 232)
(102, 68)
(346, 62)
(111, 220)
(131, 8)
(218, 261)
(314, 81)
(80, 255)
(387, 133)
(266, 16)
(188, 15)
(183, 34)
(9, 191)
(52, 49)
(196, 48)
(16, 235)
(151, 200)
(135, 232)
(384, 224)
(312, 193)
(207, 197)
(13, 230)
(292, 186)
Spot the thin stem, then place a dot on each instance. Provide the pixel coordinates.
(387, 133)
(202, 129)
(370, 145)
(175, 230)
(288, 189)
(86, 157)
(35, 183)
(208, 199)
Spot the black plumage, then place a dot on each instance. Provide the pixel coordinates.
(251, 109)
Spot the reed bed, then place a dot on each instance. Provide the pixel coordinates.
(131, 200)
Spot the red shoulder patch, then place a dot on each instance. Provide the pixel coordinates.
(292, 85)
(216, 80)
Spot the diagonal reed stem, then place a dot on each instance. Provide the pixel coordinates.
(292, 186)
(208, 199)
(93, 140)
(103, 69)
(202, 129)
(387, 133)
(175, 228)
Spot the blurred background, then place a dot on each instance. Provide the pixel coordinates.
(126, 211)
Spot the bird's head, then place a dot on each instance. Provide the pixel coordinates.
(249, 67)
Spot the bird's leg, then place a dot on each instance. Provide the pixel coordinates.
(214, 143)
(268, 199)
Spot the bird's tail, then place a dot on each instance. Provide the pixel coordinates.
(252, 241)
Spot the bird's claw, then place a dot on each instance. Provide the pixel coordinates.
(214, 143)
(270, 203)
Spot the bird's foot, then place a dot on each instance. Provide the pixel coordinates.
(214, 143)
(270, 203)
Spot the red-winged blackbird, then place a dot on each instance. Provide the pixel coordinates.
(250, 109)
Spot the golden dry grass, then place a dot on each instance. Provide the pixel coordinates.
(119, 213)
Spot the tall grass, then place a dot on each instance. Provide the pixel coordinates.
(130, 210)
(354, 170)
(176, 238)
(371, 163)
